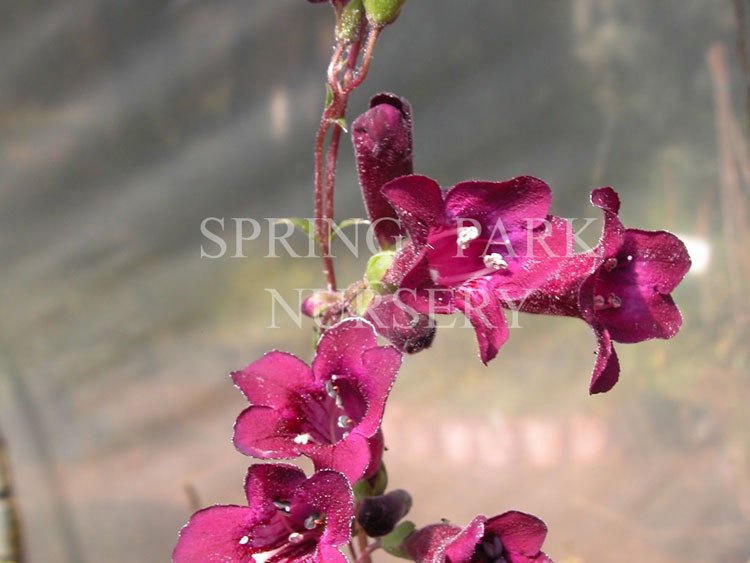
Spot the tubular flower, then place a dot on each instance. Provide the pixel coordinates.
(330, 412)
(478, 243)
(511, 537)
(621, 288)
(294, 518)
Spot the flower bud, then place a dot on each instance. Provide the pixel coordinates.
(379, 515)
(382, 138)
(382, 12)
(349, 22)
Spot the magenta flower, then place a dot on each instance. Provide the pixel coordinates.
(621, 289)
(330, 412)
(511, 537)
(382, 138)
(478, 243)
(299, 519)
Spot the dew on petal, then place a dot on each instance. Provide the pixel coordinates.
(302, 439)
(244, 540)
(343, 421)
(599, 302)
(615, 301)
(610, 264)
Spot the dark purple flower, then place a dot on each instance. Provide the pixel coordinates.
(511, 537)
(621, 288)
(298, 519)
(478, 243)
(382, 138)
(330, 412)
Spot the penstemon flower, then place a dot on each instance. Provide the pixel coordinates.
(511, 537)
(621, 288)
(330, 412)
(294, 518)
(475, 244)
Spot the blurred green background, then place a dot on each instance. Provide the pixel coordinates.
(123, 124)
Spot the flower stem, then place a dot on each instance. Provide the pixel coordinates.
(364, 556)
(325, 160)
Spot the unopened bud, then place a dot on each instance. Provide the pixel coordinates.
(379, 515)
(382, 12)
(349, 21)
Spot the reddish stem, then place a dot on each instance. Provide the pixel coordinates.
(325, 180)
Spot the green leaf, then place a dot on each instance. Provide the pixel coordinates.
(393, 541)
(360, 303)
(338, 229)
(353, 222)
(307, 226)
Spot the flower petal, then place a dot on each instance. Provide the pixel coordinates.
(341, 347)
(607, 367)
(611, 238)
(350, 456)
(260, 432)
(660, 258)
(478, 302)
(270, 380)
(266, 482)
(428, 544)
(330, 494)
(215, 534)
(521, 534)
(513, 202)
(463, 546)
(418, 200)
(381, 367)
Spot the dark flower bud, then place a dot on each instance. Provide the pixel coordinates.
(382, 138)
(379, 515)
(407, 329)
(383, 12)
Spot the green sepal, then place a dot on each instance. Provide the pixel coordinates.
(392, 542)
(374, 486)
(377, 266)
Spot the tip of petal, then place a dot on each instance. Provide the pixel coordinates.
(607, 199)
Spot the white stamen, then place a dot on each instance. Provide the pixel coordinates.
(466, 235)
(302, 439)
(495, 261)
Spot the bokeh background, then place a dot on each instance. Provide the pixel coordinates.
(124, 123)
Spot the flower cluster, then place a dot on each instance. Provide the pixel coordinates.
(480, 248)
